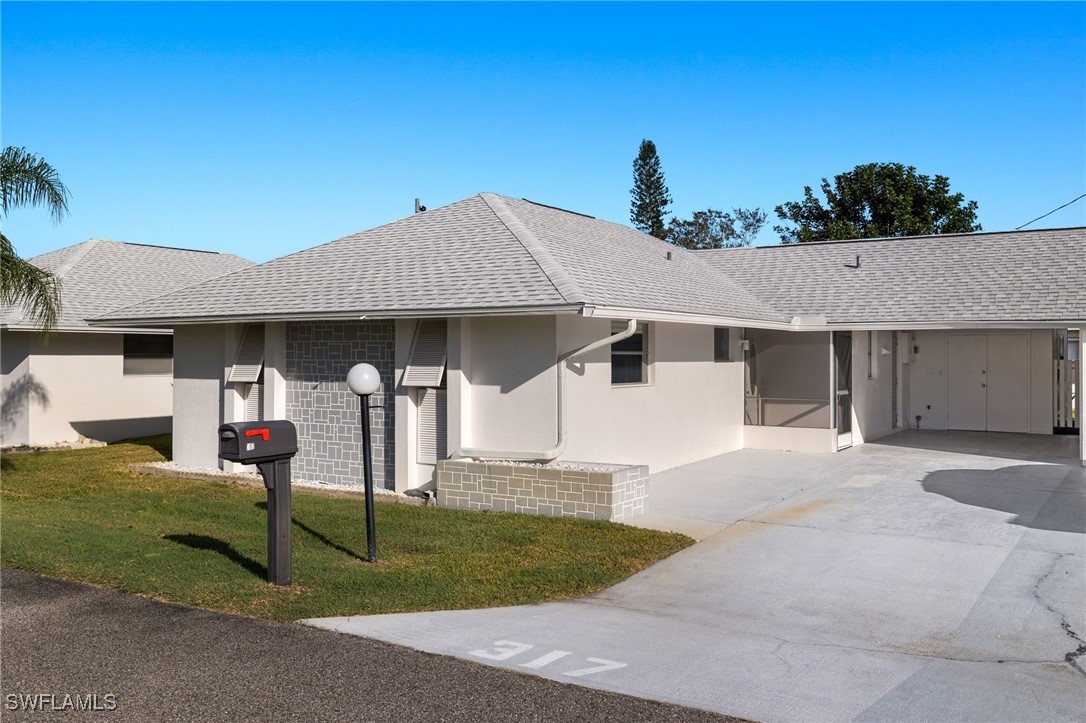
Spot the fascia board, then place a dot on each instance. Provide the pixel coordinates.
(954, 325)
(346, 316)
(89, 330)
(677, 317)
(612, 312)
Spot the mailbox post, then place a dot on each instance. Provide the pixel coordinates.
(270, 446)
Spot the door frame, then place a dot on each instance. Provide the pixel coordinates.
(843, 439)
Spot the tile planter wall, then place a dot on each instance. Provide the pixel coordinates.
(613, 493)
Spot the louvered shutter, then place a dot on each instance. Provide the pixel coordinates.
(426, 365)
(249, 361)
(432, 426)
(254, 402)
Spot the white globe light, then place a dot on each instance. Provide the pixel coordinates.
(363, 379)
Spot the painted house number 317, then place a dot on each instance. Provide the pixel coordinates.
(506, 649)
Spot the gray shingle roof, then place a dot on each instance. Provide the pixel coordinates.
(98, 276)
(615, 265)
(486, 252)
(981, 277)
(490, 253)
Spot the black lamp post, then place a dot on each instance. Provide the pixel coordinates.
(363, 380)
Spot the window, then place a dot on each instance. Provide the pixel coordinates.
(630, 357)
(722, 351)
(148, 354)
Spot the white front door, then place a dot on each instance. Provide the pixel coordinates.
(988, 382)
(1008, 383)
(966, 380)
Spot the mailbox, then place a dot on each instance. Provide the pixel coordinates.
(256, 442)
(270, 446)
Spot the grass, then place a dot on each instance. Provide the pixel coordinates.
(81, 515)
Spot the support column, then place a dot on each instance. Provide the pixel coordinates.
(1080, 396)
(457, 372)
(233, 406)
(404, 419)
(275, 367)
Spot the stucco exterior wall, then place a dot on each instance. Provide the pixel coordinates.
(326, 412)
(928, 379)
(74, 387)
(790, 439)
(872, 399)
(503, 392)
(691, 409)
(17, 388)
(513, 383)
(198, 392)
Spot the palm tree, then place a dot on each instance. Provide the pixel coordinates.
(26, 180)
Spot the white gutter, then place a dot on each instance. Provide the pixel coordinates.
(553, 453)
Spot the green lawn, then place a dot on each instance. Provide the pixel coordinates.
(80, 515)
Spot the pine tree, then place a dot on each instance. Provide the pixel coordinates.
(649, 197)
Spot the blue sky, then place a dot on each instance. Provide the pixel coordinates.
(263, 129)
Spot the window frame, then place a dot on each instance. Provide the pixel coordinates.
(872, 354)
(727, 346)
(646, 361)
(128, 355)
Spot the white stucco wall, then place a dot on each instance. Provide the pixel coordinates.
(872, 399)
(17, 387)
(790, 439)
(81, 391)
(928, 378)
(198, 393)
(513, 383)
(691, 408)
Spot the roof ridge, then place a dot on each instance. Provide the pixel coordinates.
(76, 257)
(562, 282)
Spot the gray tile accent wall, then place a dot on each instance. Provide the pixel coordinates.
(614, 495)
(319, 355)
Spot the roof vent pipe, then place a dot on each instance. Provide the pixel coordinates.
(419, 208)
(549, 455)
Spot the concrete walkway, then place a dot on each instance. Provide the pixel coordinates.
(931, 577)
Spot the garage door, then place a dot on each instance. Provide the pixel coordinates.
(988, 382)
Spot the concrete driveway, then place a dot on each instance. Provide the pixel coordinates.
(932, 577)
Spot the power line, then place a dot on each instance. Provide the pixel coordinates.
(1051, 212)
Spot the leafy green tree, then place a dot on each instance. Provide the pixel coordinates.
(712, 229)
(877, 200)
(27, 180)
(649, 197)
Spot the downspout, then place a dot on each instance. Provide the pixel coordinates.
(548, 455)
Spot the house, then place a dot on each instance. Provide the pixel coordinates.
(506, 330)
(104, 383)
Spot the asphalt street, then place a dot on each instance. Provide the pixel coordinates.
(162, 661)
